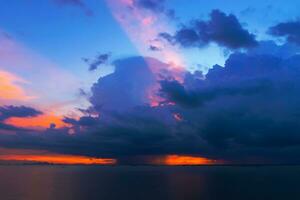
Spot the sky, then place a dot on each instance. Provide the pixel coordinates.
(149, 82)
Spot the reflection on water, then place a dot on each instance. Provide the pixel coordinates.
(159, 183)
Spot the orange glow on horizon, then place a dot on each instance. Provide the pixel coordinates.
(39, 122)
(176, 160)
(59, 159)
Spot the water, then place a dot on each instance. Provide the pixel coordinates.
(143, 183)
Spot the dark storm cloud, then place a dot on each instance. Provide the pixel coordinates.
(95, 63)
(252, 107)
(17, 111)
(290, 30)
(224, 30)
(78, 3)
(246, 111)
(6, 127)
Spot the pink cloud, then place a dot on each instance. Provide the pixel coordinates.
(11, 88)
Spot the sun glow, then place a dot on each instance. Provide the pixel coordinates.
(176, 160)
(59, 159)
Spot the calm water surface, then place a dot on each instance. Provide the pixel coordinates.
(143, 183)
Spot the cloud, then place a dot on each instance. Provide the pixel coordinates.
(127, 87)
(168, 37)
(27, 119)
(290, 30)
(77, 3)
(224, 30)
(100, 59)
(6, 128)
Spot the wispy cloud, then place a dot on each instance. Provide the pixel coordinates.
(77, 3)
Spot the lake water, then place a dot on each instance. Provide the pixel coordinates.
(145, 183)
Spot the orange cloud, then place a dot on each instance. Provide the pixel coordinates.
(10, 88)
(175, 160)
(39, 122)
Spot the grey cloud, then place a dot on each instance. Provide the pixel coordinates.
(222, 29)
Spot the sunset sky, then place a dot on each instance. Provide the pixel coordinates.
(150, 81)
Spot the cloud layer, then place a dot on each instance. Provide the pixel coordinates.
(246, 111)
